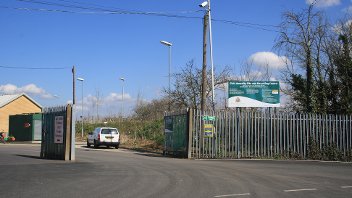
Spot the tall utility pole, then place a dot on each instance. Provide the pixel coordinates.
(73, 85)
(206, 5)
(73, 132)
(204, 69)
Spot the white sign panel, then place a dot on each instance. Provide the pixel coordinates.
(254, 94)
(59, 130)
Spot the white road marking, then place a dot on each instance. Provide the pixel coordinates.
(346, 186)
(298, 190)
(234, 195)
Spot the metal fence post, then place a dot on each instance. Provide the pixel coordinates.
(190, 132)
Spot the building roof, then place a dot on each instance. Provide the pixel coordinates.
(6, 99)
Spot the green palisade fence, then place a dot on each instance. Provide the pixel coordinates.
(268, 135)
(240, 134)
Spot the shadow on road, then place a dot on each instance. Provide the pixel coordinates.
(151, 155)
(34, 157)
(98, 148)
(29, 156)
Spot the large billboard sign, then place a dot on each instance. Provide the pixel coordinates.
(253, 94)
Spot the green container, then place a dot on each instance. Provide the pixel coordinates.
(26, 127)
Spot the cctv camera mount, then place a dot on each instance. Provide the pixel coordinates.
(202, 5)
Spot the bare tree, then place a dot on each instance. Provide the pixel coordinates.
(152, 110)
(249, 72)
(301, 39)
(188, 86)
(98, 101)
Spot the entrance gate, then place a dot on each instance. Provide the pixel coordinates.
(56, 133)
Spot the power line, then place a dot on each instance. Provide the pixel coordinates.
(105, 7)
(250, 25)
(105, 12)
(61, 5)
(119, 10)
(100, 10)
(35, 68)
(98, 7)
(247, 23)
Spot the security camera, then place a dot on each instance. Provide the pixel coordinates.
(202, 5)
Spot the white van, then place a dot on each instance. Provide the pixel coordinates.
(104, 136)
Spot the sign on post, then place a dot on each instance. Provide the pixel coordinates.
(253, 94)
(59, 130)
(168, 124)
(208, 130)
(208, 118)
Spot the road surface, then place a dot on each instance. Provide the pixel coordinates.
(123, 173)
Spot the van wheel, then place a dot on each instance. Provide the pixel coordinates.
(95, 144)
(117, 147)
(88, 145)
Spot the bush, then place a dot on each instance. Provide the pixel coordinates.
(314, 151)
(349, 156)
(331, 153)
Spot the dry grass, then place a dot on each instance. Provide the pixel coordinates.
(140, 144)
(129, 142)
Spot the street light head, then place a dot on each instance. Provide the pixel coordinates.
(166, 43)
(80, 79)
(202, 5)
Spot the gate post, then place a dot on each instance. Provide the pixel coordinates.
(68, 132)
(73, 134)
(190, 134)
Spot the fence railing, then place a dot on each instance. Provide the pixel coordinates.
(238, 134)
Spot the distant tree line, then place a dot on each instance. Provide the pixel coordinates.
(320, 72)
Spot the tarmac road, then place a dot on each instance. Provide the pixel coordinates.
(123, 173)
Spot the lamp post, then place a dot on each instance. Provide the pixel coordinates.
(206, 4)
(169, 45)
(123, 92)
(81, 79)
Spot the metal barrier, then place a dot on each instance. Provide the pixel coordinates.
(266, 135)
(176, 133)
(56, 133)
(235, 134)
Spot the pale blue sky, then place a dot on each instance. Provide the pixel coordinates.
(105, 46)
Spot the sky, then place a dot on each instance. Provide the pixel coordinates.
(106, 40)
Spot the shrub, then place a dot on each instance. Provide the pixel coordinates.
(331, 153)
(314, 151)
